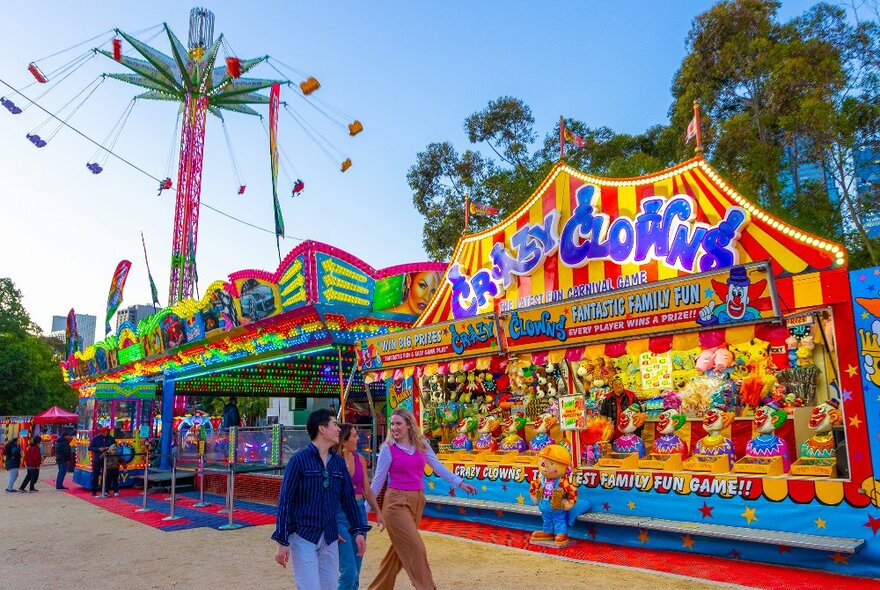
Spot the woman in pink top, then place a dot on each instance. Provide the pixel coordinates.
(402, 461)
(349, 561)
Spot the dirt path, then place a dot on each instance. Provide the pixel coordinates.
(54, 540)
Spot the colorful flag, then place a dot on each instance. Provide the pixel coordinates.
(114, 297)
(477, 209)
(70, 335)
(572, 138)
(274, 102)
(153, 291)
(691, 132)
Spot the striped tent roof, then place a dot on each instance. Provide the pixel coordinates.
(763, 237)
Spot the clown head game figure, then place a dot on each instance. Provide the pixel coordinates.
(766, 444)
(554, 494)
(669, 443)
(822, 419)
(628, 423)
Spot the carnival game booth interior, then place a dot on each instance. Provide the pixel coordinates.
(281, 334)
(694, 355)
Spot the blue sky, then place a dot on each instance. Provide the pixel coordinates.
(410, 71)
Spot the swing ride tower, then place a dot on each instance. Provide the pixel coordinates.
(189, 77)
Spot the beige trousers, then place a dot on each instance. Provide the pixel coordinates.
(402, 511)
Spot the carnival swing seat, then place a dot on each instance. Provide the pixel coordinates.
(346, 164)
(298, 188)
(845, 545)
(309, 85)
(37, 74)
(94, 168)
(355, 128)
(36, 140)
(241, 189)
(10, 106)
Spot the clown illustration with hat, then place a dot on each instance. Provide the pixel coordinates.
(741, 298)
(554, 494)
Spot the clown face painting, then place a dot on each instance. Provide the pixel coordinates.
(741, 298)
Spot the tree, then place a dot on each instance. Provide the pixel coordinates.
(442, 178)
(30, 376)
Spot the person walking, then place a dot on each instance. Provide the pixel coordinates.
(63, 456)
(98, 446)
(32, 460)
(402, 461)
(12, 456)
(349, 561)
(315, 485)
(231, 417)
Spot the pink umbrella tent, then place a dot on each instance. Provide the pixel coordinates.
(55, 415)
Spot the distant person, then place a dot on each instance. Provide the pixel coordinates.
(63, 457)
(111, 461)
(402, 460)
(12, 456)
(32, 460)
(316, 483)
(98, 446)
(614, 405)
(231, 417)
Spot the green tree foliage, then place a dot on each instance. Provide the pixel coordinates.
(776, 98)
(30, 376)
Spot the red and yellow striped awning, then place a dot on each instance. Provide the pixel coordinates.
(762, 237)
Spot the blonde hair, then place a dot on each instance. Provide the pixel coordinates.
(415, 434)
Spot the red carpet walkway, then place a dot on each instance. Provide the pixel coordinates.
(699, 567)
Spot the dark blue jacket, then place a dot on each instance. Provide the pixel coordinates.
(62, 450)
(97, 444)
(311, 496)
(12, 453)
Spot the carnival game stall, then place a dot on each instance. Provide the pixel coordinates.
(283, 334)
(49, 425)
(692, 355)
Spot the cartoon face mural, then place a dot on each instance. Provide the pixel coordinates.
(738, 294)
(408, 293)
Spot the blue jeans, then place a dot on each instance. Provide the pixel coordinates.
(315, 567)
(554, 520)
(349, 561)
(62, 471)
(13, 475)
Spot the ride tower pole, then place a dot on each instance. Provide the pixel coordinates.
(189, 188)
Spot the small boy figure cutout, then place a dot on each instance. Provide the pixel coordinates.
(554, 494)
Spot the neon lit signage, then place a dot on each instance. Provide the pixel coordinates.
(664, 230)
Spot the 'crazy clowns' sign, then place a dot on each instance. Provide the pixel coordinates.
(736, 295)
(664, 230)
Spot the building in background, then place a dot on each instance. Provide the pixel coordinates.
(133, 314)
(867, 169)
(85, 326)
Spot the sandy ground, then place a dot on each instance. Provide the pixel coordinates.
(54, 540)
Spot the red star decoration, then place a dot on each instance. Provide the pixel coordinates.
(734, 553)
(605, 506)
(461, 510)
(873, 524)
(591, 530)
(452, 491)
(499, 513)
(504, 488)
(706, 510)
(784, 549)
(839, 558)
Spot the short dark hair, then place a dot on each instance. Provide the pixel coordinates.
(317, 419)
(233, 399)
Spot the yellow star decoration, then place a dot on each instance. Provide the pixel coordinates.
(854, 421)
(431, 485)
(852, 371)
(521, 499)
(865, 315)
(687, 541)
(643, 536)
(820, 523)
(750, 515)
(631, 504)
(484, 487)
